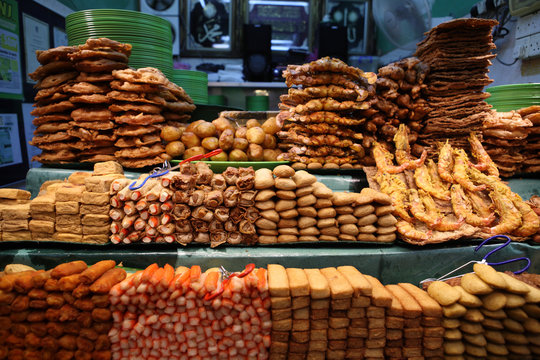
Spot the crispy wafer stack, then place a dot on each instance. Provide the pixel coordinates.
(43, 214)
(92, 120)
(14, 214)
(139, 99)
(62, 313)
(505, 136)
(281, 305)
(531, 163)
(52, 106)
(68, 225)
(323, 112)
(489, 314)
(458, 53)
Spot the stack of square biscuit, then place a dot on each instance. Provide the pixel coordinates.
(92, 121)
(139, 97)
(95, 200)
(43, 214)
(375, 340)
(68, 220)
(531, 150)
(52, 106)
(14, 214)
(489, 314)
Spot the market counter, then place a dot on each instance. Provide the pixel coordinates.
(390, 264)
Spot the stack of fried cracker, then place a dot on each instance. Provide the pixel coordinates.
(52, 106)
(139, 97)
(505, 137)
(92, 121)
(68, 220)
(531, 163)
(324, 110)
(95, 206)
(14, 214)
(42, 211)
(458, 53)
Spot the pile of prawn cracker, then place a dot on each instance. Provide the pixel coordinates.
(326, 104)
(91, 107)
(489, 314)
(163, 313)
(243, 206)
(63, 313)
(340, 313)
(458, 53)
(75, 210)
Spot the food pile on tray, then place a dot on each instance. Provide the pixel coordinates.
(273, 312)
(243, 206)
(451, 199)
(90, 107)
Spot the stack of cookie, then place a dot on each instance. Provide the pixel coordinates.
(43, 214)
(68, 220)
(53, 106)
(531, 163)
(95, 200)
(139, 97)
(14, 214)
(92, 120)
(458, 53)
(332, 100)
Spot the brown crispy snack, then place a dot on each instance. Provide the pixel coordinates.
(86, 88)
(129, 86)
(320, 117)
(92, 135)
(85, 145)
(97, 158)
(178, 91)
(91, 114)
(175, 117)
(55, 146)
(144, 108)
(93, 125)
(325, 64)
(55, 80)
(90, 99)
(332, 91)
(135, 130)
(322, 129)
(100, 65)
(53, 108)
(51, 68)
(139, 163)
(51, 118)
(180, 106)
(142, 75)
(136, 97)
(321, 159)
(315, 140)
(98, 54)
(131, 142)
(52, 127)
(94, 77)
(139, 119)
(55, 156)
(56, 97)
(141, 152)
(103, 150)
(105, 43)
(48, 92)
(323, 104)
(60, 53)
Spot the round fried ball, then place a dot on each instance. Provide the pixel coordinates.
(175, 148)
(255, 135)
(255, 152)
(197, 150)
(252, 123)
(240, 144)
(222, 156)
(171, 133)
(210, 143)
(237, 155)
(190, 139)
(193, 125)
(205, 129)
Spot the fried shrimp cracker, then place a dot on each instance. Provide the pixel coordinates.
(98, 54)
(91, 114)
(180, 106)
(142, 75)
(52, 127)
(323, 91)
(144, 108)
(105, 43)
(127, 130)
(86, 88)
(134, 87)
(139, 163)
(50, 118)
(90, 99)
(101, 65)
(53, 108)
(60, 53)
(92, 135)
(141, 152)
(136, 97)
(94, 77)
(51, 68)
(139, 119)
(93, 125)
(136, 141)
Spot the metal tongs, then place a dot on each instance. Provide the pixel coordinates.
(484, 260)
(227, 276)
(166, 168)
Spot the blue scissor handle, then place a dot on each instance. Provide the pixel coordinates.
(157, 172)
(508, 240)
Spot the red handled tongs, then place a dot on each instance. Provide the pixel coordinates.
(227, 276)
(166, 168)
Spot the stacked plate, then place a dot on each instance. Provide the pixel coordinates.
(150, 36)
(194, 82)
(514, 96)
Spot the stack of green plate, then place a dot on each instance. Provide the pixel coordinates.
(150, 36)
(514, 96)
(194, 82)
(256, 103)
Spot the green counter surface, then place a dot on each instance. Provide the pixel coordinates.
(390, 264)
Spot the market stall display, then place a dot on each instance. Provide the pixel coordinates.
(458, 54)
(531, 164)
(14, 213)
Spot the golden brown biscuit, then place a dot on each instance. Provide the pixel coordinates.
(278, 282)
(340, 288)
(474, 285)
(411, 308)
(466, 299)
(490, 276)
(444, 293)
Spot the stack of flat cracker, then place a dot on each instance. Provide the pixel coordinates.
(68, 220)
(505, 138)
(458, 53)
(14, 214)
(94, 208)
(531, 163)
(52, 106)
(92, 121)
(140, 101)
(42, 211)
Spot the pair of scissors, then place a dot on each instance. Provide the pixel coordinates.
(166, 168)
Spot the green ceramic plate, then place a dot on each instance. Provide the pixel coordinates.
(221, 166)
